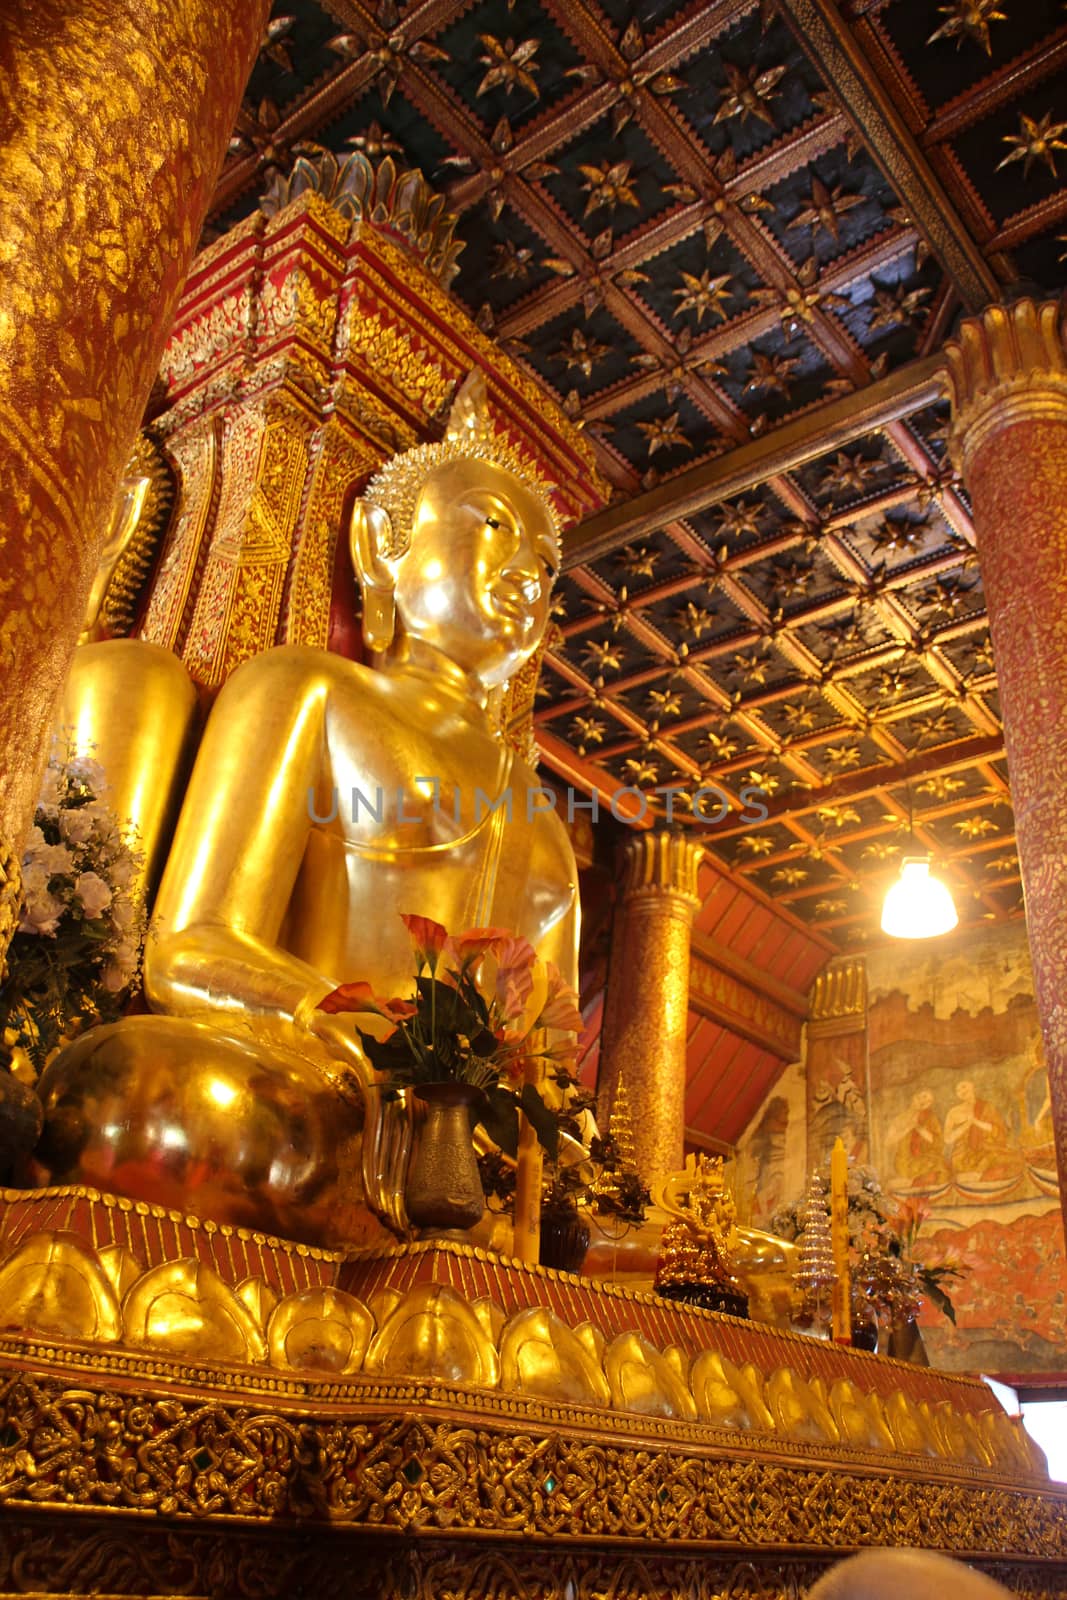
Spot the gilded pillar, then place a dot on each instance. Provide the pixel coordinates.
(114, 118)
(1008, 380)
(647, 1004)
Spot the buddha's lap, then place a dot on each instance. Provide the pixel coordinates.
(198, 1118)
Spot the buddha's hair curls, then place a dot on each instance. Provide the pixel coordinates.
(470, 437)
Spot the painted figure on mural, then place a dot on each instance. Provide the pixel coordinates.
(767, 1157)
(917, 1142)
(839, 1110)
(976, 1138)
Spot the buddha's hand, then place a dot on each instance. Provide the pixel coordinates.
(337, 1032)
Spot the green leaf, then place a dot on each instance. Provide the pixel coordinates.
(500, 1119)
(941, 1300)
(392, 1056)
(541, 1120)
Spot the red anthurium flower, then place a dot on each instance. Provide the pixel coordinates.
(427, 936)
(477, 942)
(399, 1010)
(515, 954)
(353, 997)
(361, 997)
(561, 1008)
(514, 985)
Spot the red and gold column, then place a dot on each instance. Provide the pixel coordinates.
(1008, 378)
(114, 118)
(647, 1003)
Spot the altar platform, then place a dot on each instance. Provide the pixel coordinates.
(188, 1408)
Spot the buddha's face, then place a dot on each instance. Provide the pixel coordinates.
(476, 580)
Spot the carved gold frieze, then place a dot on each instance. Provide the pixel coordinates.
(61, 1555)
(297, 304)
(200, 343)
(57, 1286)
(726, 999)
(664, 864)
(394, 354)
(265, 458)
(196, 456)
(337, 465)
(840, 991)
(418, 1461)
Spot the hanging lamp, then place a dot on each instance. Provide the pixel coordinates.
(918, 905)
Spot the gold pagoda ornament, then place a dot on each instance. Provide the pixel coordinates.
(696, 1265)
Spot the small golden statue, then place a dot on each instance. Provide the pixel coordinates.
(328, 797)
(699, 1245)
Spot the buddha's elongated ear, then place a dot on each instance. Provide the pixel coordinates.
(369, 535)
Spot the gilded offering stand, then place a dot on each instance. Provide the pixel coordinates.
(441, 1410)
(699, 1244)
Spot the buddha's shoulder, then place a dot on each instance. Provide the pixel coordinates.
(301, 670)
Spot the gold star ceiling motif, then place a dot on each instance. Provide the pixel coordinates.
(825, 208)
(749, 93)
(1037, 140)
(510, 64)
(969, 19)
(702, 191)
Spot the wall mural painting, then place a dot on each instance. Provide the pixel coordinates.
(838, 1091)
(961, 1128)
(772, 1166)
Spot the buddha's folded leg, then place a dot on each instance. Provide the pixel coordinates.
(223, 1120)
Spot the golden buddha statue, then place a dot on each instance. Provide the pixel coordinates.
(130, 704)
(327, 798)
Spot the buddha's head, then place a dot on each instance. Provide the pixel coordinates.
(456, 544)
(136, 520)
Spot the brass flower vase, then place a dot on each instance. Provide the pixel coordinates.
(906, 1341)
(443, 1194)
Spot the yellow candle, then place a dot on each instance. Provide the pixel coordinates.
(527, 1244)
(842, 1297)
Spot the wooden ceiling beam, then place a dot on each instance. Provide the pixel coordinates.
(741, 1008)
(724, 959)
(826, 428)
(827, 39)
(1047, 56)
(857, 785)
(1035, 219)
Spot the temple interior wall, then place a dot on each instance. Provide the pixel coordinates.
(956, 1012)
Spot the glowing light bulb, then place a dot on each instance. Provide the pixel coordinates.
(917, 905)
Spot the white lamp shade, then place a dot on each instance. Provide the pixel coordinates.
(917, 905)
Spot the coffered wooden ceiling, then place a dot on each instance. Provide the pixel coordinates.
(731, 239)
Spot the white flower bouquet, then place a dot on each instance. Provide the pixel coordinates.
(77, 950)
